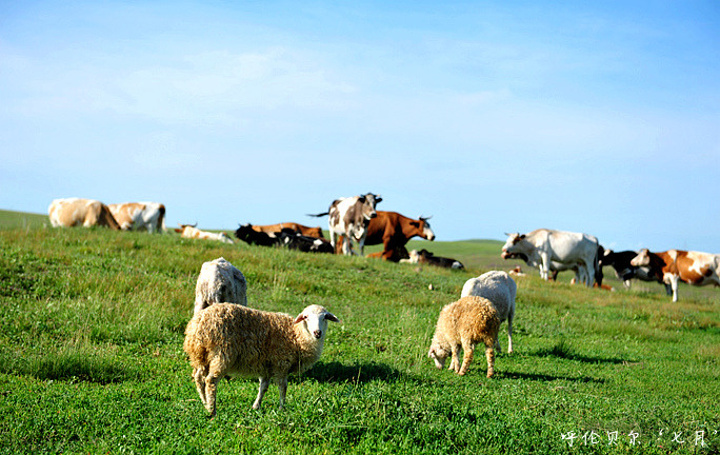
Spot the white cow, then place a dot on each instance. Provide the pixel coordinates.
(556, 250)
(149, 216)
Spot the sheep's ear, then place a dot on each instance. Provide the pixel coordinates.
(331, 317)
(301, 317)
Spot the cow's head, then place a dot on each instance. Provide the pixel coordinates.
(642, 259)
(244, 232)
(183, 227)
(424, 227)
(510, 250)
(369, 201)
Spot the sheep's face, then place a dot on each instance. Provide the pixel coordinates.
(438, 355)
(315, 320)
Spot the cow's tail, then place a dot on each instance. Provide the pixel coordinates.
(161, 221)
(318, 215)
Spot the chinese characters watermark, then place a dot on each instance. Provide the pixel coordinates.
(698, 438)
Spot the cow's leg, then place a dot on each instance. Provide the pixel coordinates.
(361, 245)
(674, 285)
(589, 274)
(544, 266)
(347, 245)
(333, 239)
(668, 289)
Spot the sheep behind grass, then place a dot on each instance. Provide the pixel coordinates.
(463, 324)
(500, 289)
(227, 339)
(219, 281)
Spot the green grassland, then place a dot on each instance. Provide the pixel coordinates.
(91, 356)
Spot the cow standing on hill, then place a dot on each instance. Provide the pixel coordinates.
(394, 231)
(350, 217)
(74, 211)
(557, 250)
(669, 267)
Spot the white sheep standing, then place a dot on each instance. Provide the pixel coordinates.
(463, 324)
(500, 289)
(227, 339)
(219, 281)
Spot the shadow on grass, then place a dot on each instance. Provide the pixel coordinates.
(546, 377)
(73, 368)
(562, 350)
(356, 373)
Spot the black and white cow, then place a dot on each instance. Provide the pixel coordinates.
(551, 250)
(350, 217)
(625, 271)
(426, 257)
(293, 240)
(247, 234)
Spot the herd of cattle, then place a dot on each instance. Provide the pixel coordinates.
(355, 220)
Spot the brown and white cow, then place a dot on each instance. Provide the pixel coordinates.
(74, 211)
(394, 231)
(191, 232)
(299, 228)
(149, 216)
(350, 217)
(671, 266)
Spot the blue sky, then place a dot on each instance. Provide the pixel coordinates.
(493, 117)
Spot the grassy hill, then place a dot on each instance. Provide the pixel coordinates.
(15, 220)
(91, 357)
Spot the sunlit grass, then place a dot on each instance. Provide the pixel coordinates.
(91, 356)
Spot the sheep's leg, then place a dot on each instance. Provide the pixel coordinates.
(455, 361)
(468, 349)
(490, 356)
(282, 387)
(210, 392)
(199, 377)
(264, 383)
(510, 321)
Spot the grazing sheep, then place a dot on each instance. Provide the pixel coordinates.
(465, 323)
(219, 281)
(500, 289)
(227, 339)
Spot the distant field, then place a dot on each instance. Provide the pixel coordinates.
(14, 220)
(91, 357)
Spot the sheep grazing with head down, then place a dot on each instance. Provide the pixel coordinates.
(463, 324)
(219, 281)
(500, 289)
(227, 339)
